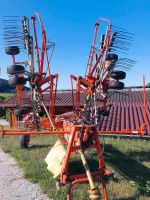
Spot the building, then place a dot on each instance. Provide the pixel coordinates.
(126, 111)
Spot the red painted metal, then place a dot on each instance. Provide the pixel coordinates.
(85, 180)
(16, 132)
(79, 134)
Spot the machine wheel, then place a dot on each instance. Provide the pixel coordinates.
(24, 141)
(116, 85)
(118, 75)
(28, 106)
(15, 69)
(104, 113)
(21, 111)
(14, 81)
(112, 57)
(12, 50)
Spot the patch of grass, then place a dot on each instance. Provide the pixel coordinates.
(128, 159)
(7, 95)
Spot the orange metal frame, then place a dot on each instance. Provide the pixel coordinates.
(65, 126)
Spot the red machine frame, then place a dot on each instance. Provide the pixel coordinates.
(62, 124)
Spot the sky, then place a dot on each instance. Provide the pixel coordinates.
(70, 24)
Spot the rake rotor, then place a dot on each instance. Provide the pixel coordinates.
(79, 130)
(12, 31)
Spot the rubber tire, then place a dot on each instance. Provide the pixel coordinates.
(111, 57)
(116, 85)
(118, 75)
(15, 69)
(105, 113)
(14, 81)
(28, 106)
(12, 50)
(24, 141)
(21, 111)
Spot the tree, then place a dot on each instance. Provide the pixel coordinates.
(148, 84)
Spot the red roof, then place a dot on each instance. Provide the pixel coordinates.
(64, 97)
(126, 111)
(124, 116)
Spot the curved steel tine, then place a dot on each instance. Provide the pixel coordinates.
(122, 29)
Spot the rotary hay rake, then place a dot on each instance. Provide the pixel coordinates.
(79, 130)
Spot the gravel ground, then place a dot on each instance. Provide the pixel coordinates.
(13, 186)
